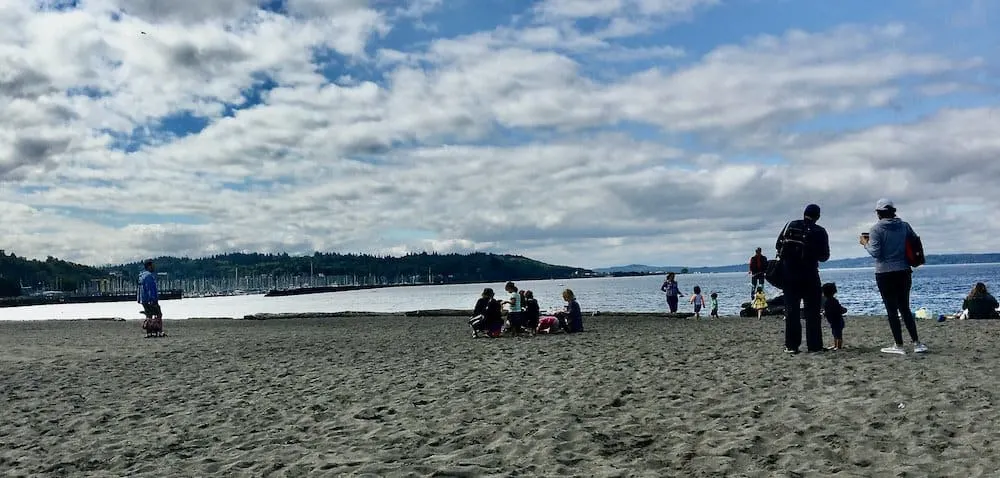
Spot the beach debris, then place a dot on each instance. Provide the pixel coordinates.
(901, 405)
(374, 413)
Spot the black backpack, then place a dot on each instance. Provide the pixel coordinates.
(795, 241)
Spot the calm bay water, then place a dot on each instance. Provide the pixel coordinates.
(939, 288)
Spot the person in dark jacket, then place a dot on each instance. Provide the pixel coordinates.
(980, 304)
(672, 290)
(149, 297)
(532, 312)
(801, 246)
(834, 313)
(487, 315)
(570, 319)
(758, 266)
(886, 242)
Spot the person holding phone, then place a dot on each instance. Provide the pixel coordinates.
(886, 243)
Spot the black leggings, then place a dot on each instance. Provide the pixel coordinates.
(672, 303)
(895, 290)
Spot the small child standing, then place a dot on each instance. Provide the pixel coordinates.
(760, 302)
(698, 300)
(834, 314)
(715, 304)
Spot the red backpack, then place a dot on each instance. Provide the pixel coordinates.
(914, 250)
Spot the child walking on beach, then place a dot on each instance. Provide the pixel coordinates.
(714, 302)
(760, 302)
(834, 314)
(698, 300)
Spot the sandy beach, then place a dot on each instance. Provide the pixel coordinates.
(417, 396)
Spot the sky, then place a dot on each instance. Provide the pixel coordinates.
(590, 133)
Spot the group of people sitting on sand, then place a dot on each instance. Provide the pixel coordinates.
(523, 314)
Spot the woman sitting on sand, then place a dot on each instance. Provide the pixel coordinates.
(571, 319)
(487, 316)
(980, 304)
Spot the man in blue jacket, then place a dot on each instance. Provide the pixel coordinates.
(801, 246)
(149, 298)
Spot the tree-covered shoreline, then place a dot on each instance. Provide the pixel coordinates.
(57, 275)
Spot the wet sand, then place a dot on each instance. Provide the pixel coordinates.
(417, 396)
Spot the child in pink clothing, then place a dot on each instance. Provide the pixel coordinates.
(547, 324)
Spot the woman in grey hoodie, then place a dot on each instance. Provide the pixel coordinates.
(886, 242)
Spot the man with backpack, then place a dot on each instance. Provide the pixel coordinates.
(758, 267)
(801, 246)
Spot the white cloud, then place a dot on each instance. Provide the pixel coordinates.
(612, 8)
(502, 140)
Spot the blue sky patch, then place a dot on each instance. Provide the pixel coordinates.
(87, 91)
(404, 234)
(252, 96)
(118, 219)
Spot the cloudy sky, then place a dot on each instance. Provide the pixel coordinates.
(582, 132)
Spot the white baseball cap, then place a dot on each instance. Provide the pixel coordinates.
(884, 204)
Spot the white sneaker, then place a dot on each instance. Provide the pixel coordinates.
(919, 348)
(895, 349)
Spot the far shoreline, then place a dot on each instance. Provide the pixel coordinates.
(435, 313)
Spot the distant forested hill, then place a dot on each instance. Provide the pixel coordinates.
(440, 267)
(50, 274)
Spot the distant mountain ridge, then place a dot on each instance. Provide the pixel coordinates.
(936, 259)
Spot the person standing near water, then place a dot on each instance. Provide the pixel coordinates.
(758, 266)
(886, 242)
(149, 298)
(801, 246)
(673, 292)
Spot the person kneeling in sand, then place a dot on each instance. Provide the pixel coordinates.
(487, 317)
